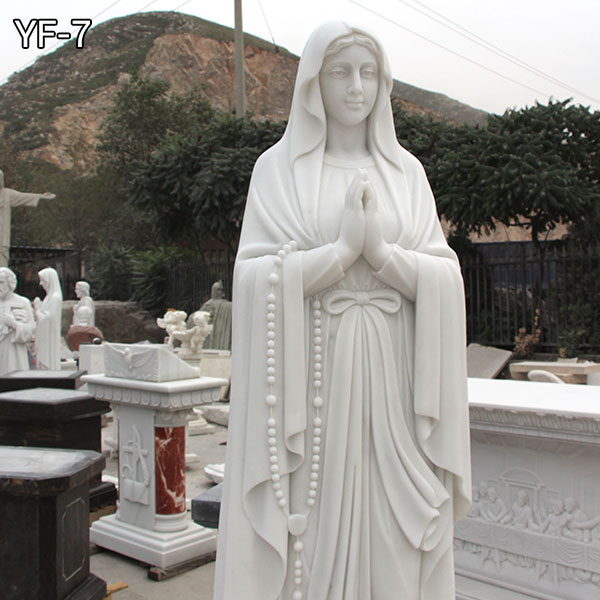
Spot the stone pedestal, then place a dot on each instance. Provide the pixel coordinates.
(56, 418)
(151, 524)
(44, 547)
(23, 380)
(534, 528)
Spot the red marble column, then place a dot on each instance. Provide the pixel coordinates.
(170, 469)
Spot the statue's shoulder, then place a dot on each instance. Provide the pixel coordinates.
(271, 160)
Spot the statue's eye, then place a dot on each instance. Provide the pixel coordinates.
(368, 72)
(338, 72)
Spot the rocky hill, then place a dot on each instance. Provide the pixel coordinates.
(54, 109)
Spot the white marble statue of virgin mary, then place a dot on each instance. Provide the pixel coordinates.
(348, 448)
(48, 315)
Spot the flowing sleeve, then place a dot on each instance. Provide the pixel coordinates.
(25, 328)
(252, 524)
(16, 198)
(439, 367)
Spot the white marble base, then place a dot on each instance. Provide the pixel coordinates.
(160, 549)
(199, 426)
(472, 589)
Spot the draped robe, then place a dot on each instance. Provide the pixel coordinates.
(395, 471)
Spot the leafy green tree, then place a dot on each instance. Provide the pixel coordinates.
(532, 168)
(143, 117)
(195, 188)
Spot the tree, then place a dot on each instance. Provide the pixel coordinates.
(195, 188)
(532, 168)
(143, 117)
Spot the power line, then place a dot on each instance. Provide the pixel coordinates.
(476, 39)
(449, 50)
(267, 23)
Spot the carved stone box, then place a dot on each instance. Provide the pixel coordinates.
(534, 527)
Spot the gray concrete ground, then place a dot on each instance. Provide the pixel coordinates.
(196, 583)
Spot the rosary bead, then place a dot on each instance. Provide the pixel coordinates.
(271, 400)
(271, 298)
(271, 422)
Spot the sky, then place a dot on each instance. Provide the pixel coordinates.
(558, 41)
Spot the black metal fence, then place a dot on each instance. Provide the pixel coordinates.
(510, 290)
(189, 284)
(27, 261)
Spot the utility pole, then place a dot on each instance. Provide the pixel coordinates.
(240, 83)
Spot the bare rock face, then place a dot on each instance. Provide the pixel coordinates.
(187, 61)
(123, 322)
(55, 108)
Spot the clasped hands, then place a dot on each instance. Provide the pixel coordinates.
(360, 230)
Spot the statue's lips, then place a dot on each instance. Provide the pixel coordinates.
(354, 103)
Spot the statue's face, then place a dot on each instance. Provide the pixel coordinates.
(80, 290)
(349, 81)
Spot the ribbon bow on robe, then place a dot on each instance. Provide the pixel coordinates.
(338, 301)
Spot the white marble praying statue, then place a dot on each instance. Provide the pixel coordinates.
(17, 325)
(84, 311)
(48, 315)
(8, 200)
(348, 456)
